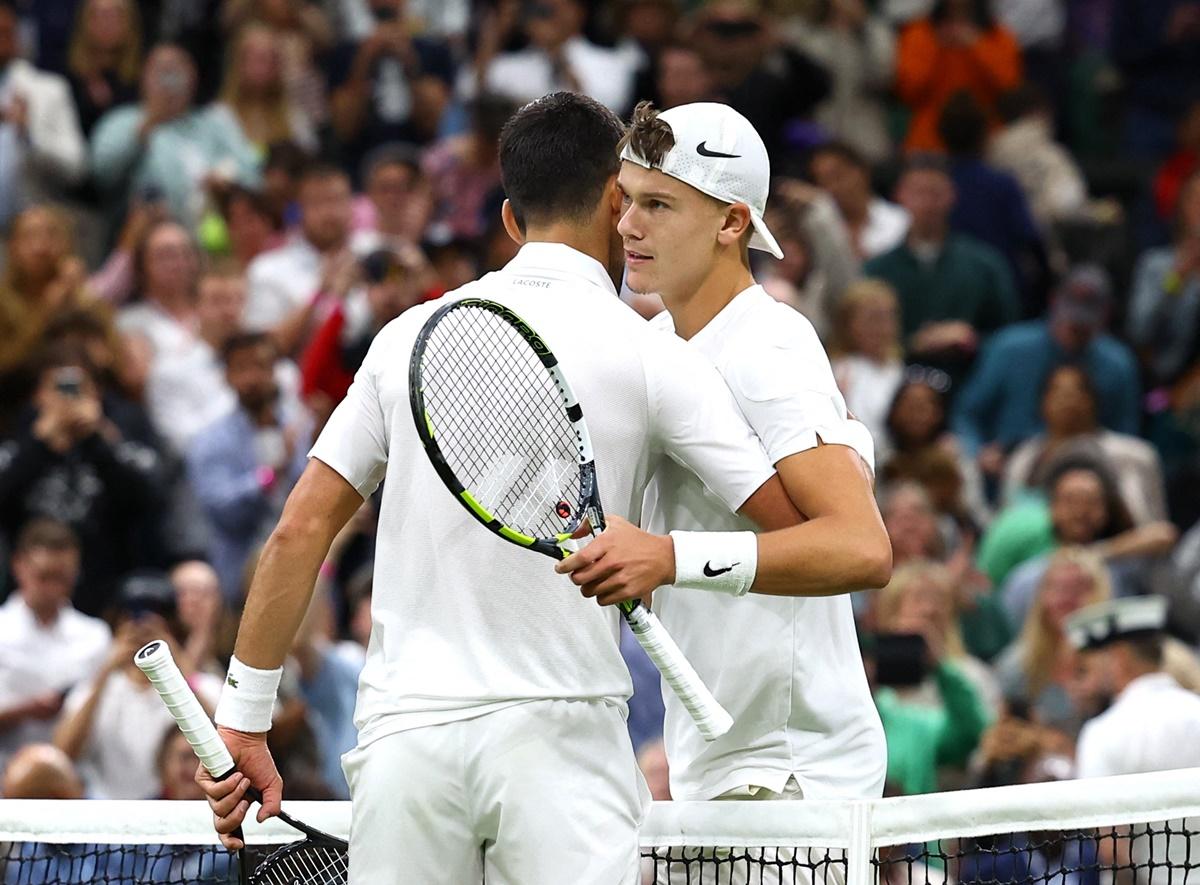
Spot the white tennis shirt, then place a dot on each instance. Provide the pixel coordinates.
(463, 622)
(788, 669)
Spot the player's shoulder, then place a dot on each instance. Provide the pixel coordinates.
(402, 331)
(769, 339)
(766, 320)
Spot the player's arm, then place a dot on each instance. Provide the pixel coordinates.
(841, 544)
(319, 506)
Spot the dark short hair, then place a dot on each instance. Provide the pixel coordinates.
(320, 170)
(256, 199)
(1079, 369)
(288, 156)
(1150, 648)
(843, 151)
(391, 154)
(923, 161)
(963, 125)
(64, 354)
(240, 341)
(1021, 101)
(556, 156)
(43, 533)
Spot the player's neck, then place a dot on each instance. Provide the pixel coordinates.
(693, 312)
(591, 242)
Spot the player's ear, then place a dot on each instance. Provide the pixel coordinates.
(612, 194)
(737, 222)
(511, 226)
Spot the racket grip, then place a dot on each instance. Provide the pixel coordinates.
(154, 659)
(712, 720)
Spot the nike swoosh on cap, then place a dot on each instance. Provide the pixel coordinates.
(705, 152)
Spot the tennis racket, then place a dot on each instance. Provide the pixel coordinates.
(317, 859)
(507, 436)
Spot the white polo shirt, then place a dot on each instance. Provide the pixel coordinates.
(37, 658)
(1153, 725)
(463, 622)
(788, 669)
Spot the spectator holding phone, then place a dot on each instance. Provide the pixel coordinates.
(165, 143)
(46, 646)
(85, 459)
(931, 695)
(42, 278)
(243, 466)
(393, 85)
(108, 719)
(395, 280)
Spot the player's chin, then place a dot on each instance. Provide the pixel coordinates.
(640, 280)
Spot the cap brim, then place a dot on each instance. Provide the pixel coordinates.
(762, 238)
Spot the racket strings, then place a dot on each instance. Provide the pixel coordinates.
(305, 864)
(500, 422)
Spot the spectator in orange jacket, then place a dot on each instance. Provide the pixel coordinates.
(958, 46)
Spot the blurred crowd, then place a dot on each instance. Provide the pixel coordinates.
(990, 211)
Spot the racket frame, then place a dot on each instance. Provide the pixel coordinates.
(589, 495)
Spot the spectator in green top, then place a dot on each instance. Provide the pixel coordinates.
(953, 289)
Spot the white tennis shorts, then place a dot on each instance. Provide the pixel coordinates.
(540, 793)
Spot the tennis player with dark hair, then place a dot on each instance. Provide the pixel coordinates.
(784, 660)
(492, 739)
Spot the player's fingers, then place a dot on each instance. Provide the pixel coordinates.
(226, 824)
(217, 789)
(226, 804)
(595, 576)
(272, 799)
(616, 588)
(231, 843)
(582, 558)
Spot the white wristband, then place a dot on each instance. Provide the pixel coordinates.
(248, 697)
(722, 561)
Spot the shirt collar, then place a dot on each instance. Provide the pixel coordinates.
(710, 339)
(559, 259)
(18, 604)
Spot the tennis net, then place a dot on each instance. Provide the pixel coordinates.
(1136, 830)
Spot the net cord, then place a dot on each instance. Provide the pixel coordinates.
(1131, 799)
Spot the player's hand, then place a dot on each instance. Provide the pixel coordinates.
(227, 798)
(622, 563)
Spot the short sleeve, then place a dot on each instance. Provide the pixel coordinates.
(695, 421)
(787, 392)
(354, 442)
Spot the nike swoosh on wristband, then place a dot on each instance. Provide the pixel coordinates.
(710, 572)
(705, 152)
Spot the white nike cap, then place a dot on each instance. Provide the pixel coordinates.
(718, 152)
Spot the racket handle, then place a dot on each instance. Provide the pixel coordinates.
(712, 720)
(154, 659)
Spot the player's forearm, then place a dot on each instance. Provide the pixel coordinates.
(279, 595)
(823, 557)
(320, 505)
